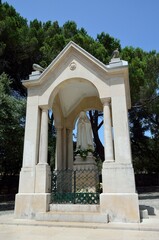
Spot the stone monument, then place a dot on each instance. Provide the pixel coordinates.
(73, 82)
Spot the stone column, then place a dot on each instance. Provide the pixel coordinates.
(122, 145)
(58, 164)
(70, 149)
(43, 169)
(31, 147)
(109, 152)
(43, 149)
(35, 200)
(64, 159)
(118, 200)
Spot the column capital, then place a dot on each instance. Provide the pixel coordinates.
(44, 107)
(69, 128)
(106, 101)
(58, 128)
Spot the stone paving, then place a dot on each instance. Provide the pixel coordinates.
(64, 233)
(148, 229)
(12, 229)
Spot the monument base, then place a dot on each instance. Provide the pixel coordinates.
(120, 207)
(30, 201)
(28, 205)
(119, 199)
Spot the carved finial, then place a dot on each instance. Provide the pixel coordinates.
(37, 67)
(115, 53)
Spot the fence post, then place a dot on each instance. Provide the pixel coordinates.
(74, 186)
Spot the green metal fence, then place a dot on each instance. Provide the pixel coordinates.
(75, 186)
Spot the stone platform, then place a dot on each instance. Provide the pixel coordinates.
(24, 229)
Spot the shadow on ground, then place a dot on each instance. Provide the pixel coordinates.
(5, 206)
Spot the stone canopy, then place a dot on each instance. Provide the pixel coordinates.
(73, 82)
(75, 75)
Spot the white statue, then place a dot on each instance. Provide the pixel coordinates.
(115, 53)
(84, 133)
(37, 67)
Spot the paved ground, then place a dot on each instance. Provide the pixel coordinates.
(13, 229)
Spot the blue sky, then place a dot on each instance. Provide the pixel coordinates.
(134, 22)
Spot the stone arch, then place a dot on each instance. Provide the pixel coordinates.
(83, 102)
(73, 80)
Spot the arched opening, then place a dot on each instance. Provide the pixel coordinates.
(73, 97)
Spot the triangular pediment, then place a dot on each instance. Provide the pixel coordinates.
(70, 51)
(75, 64)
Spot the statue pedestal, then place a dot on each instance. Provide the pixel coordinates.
(85, 164)
(86, 174)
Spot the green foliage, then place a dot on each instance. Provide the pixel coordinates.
(109, 43)
(12, 112)
(22, 44)
(51, 141)
(69, 29)
(84, 153)
(144, 114)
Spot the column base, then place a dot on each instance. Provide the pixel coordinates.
(118, 178)
(28, 205)
(119, 199)
(43, 178)
(120, 207)
(27, 180)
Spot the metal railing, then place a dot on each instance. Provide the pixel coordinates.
(75, 186)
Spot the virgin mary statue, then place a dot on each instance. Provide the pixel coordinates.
(84, 133)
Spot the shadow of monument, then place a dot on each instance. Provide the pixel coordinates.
(150, 210)
(148, 197)
(5, 206)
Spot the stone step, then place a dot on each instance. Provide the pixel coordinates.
(91, 217)
(75, 207)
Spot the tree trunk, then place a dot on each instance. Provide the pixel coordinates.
(99, 149)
